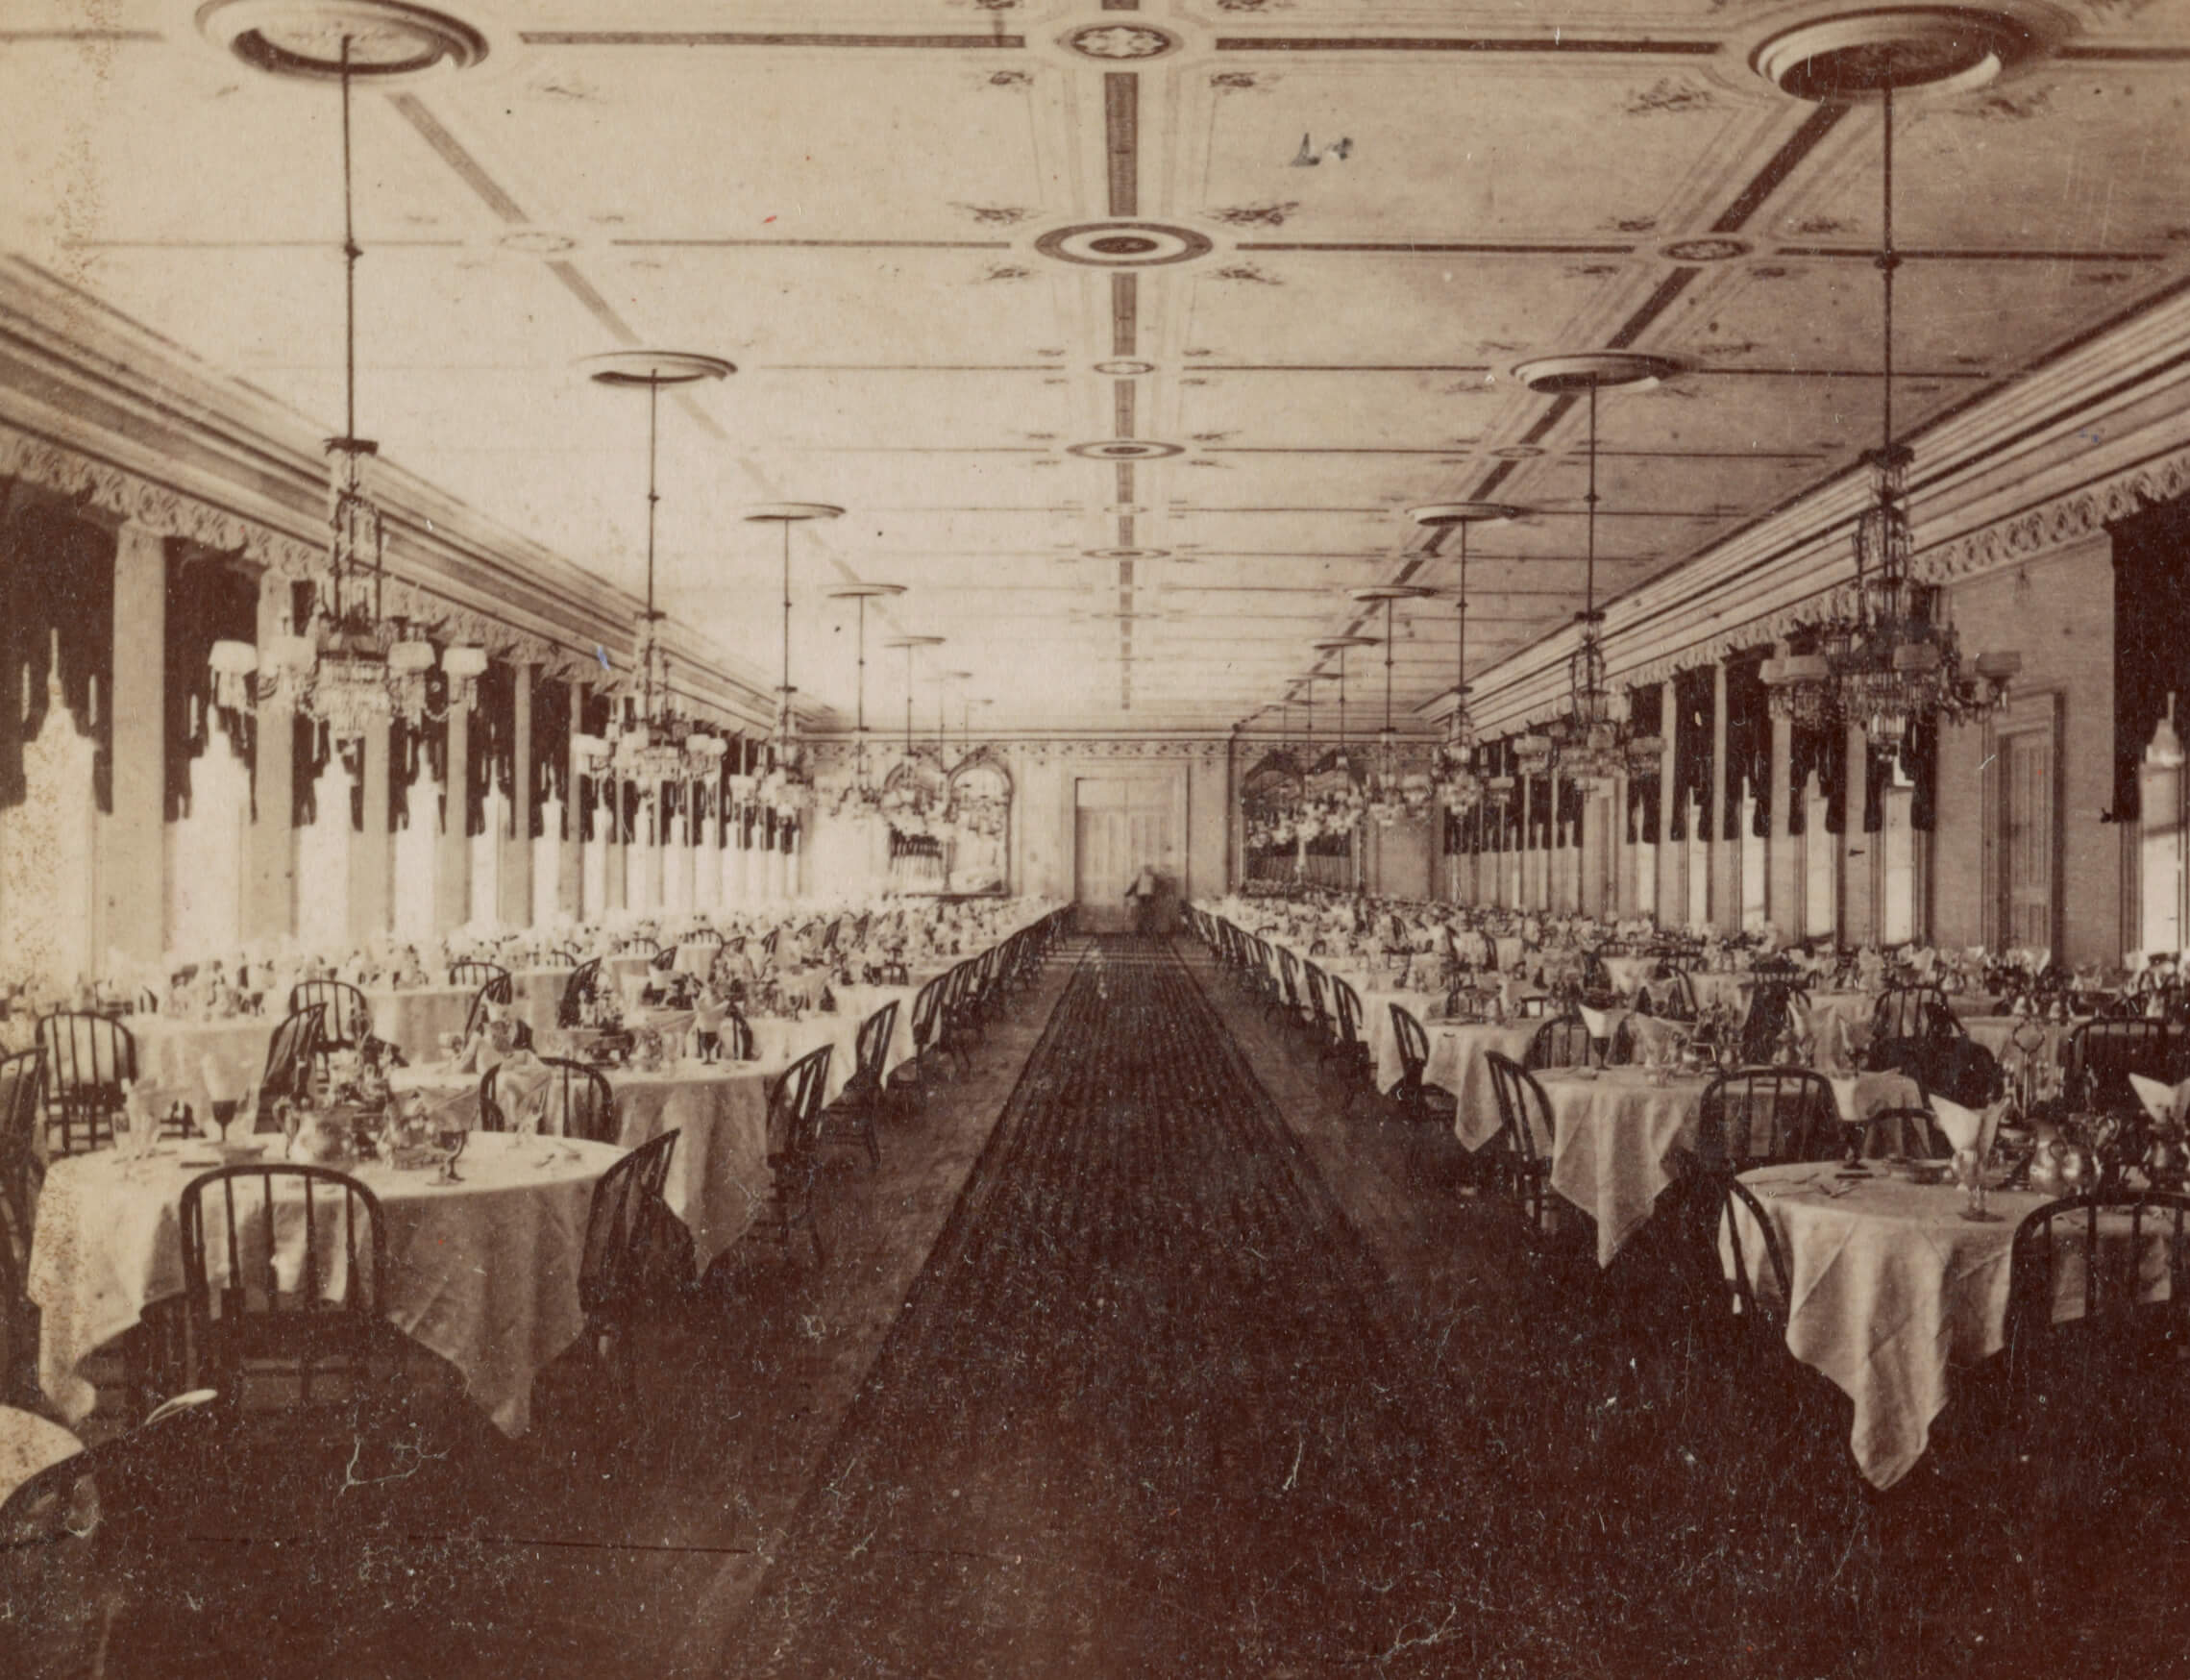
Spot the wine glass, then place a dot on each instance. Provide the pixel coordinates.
(450, 1136)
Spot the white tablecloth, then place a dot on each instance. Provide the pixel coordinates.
(172, 1052)
(28, 1445)
(1458, 1052)
(414, 1018)
(1376, 1026)
(538, 993)
(717, 1177)
(1889, 1287)
(484, 1273)
(1615, 1139)
(1997, 1034)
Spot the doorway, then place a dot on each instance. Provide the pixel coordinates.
(1121, 823)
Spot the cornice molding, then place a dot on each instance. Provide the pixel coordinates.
(97, 409)
(2097, 432)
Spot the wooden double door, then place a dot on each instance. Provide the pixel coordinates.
(1122, 824)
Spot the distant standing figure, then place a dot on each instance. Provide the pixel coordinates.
(1143, 894)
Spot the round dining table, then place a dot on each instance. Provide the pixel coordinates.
(415, 1019)
(718, 1180)
(1889, 1289)
(482, 1272)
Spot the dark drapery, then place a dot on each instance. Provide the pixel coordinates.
(492, 743)
(208, 600)
(2152, 634)
(551, 752)
(1692, 757)
(1748, 743)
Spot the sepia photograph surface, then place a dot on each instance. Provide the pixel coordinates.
(1094, 838)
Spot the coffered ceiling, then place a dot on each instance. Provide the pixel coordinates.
(1123, 392)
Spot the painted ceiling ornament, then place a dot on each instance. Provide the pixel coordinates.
(1120, 41)
(1123, 244)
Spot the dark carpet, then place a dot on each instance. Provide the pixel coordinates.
(1143, 1412)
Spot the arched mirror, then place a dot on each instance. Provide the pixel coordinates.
(980, 807)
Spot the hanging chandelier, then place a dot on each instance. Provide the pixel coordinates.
(914, 795)
(860, 798)
(1334, 803)
(785, 783)
(650, 741)
(1591, 743)
(1889, 662)
(351, 667)
(1456, 784)
(1392, 792)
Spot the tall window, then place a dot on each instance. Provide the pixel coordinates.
(2159, 782)
(1820, 877)
(1898, 910)
(1754, 910)
(1699, 865)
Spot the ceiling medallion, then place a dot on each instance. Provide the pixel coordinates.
(1559, 376)
(1125, 449)
(1119, 42)
(1124, 370)
(1851, 58)
(1704, 250)
(536, 243)
(388, 38)
(1122, 244)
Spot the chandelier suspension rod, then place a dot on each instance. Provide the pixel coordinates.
(1888, 261)
(1460, 685)
(1342, 700)
(1387, 605)
(1589, 504)
(862, 730)
(351, 252)
(653, 496)
(786, 524)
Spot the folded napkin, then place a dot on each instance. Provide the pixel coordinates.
(1601, 1022)
(1968, 1128)
(2168, 1104)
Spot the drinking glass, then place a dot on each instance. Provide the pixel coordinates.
(450, 1136)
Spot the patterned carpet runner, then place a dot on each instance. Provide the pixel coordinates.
(1142, 1413)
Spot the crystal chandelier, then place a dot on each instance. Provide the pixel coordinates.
(1334, 804)
(1454, 778)
(1889, 663)
(649, 740)
(860, 799)
(353, 668)
(785, 784)
(915, 797)
(1591, 743)
(1393, 793)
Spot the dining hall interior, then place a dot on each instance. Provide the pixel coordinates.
(1134, 837)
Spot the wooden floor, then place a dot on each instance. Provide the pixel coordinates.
(1604, 1503)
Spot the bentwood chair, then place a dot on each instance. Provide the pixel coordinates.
(2102, 1055)
(581, 988)
(346, 1020)
(794, 1134)
(1421, 1102)
(290, 1057)
(1914, 1011)
(637, 1255)
(494, 992)
(860, 1103)
(574, 1099)
(2098, 1324)
(474, 973)
(1520, 1166)
(1562, 1042)
(1754, 1117)
(21, 1175)
(1347, 1045)
(927, 1033)
(87, 1060)
(285, 1268)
